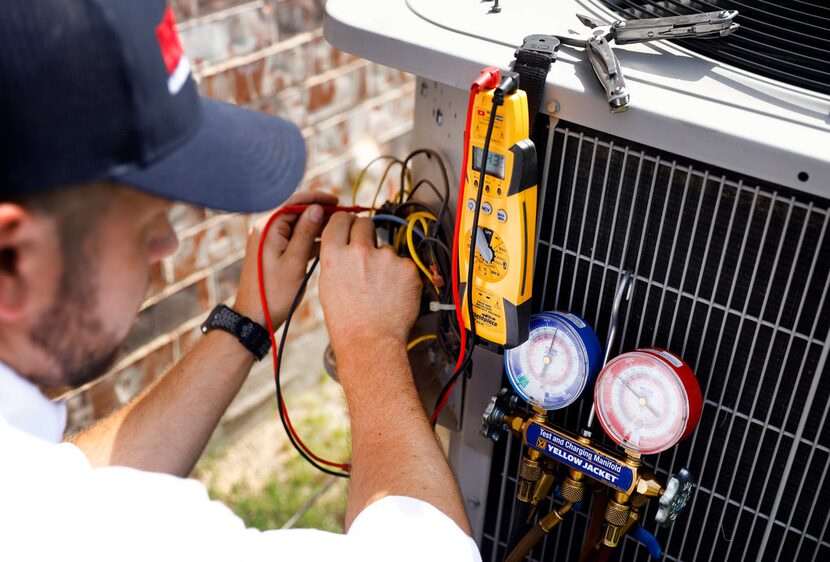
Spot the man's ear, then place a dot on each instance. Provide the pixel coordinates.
(13, 221)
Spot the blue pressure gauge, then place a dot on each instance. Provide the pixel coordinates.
(560, 358)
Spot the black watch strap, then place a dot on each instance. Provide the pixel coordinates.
(251, 335)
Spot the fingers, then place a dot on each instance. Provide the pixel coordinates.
(311, 197)
(363, 230)
(337, 230)
(305, 198)
(305, 233)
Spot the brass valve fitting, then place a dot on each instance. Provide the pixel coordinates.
(573, 491)
(552, 519)
(542, 488)
(616, 515)
(612, 536)
(530, 471)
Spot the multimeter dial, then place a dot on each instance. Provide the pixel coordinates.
(647, 400)
(559, 359)
(496, 268)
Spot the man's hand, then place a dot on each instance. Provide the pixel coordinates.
(369, 295)
(289, 247)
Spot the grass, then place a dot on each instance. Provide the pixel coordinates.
(285, 491)
(280, 499)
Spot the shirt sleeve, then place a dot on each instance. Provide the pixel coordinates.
(410, 529)
(393, 528)
(127, 514)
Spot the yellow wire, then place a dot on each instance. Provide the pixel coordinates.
(408, 181)
(420, 339)
(359, 179)
(400, 234)
(420, 217)
(381, 182)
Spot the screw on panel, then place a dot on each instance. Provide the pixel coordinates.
(724, 14)
(618, 24)
(473, 502)
(553, 106)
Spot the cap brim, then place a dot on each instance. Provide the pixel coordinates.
(237, 160)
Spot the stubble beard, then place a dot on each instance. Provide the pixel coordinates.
(71, 332)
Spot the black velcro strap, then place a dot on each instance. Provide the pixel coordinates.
(533, 60)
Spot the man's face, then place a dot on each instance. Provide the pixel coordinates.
(106, 251)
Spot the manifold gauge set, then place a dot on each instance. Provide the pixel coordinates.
(646, 402)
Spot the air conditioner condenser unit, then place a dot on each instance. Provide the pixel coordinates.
(713, 189)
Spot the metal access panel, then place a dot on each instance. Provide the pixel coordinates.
(731, 273)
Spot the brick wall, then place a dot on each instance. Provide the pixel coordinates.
(267, 55)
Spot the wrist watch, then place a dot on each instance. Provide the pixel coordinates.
(251, 335)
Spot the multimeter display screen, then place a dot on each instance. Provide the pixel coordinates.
(495, 162)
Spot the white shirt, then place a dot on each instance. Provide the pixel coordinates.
(55, 506)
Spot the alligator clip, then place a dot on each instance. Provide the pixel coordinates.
(605, 63)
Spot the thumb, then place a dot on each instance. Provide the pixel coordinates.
(305, 233)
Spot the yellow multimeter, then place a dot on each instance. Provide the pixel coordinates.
(505, 237)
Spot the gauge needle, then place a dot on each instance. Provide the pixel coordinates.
(640, 399)
(547, 358)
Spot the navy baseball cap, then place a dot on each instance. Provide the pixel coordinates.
(96, 90)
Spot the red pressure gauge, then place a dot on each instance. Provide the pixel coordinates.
(648, 400)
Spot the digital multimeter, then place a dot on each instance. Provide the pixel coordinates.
(504, 239)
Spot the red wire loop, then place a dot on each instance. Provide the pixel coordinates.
(292, 210)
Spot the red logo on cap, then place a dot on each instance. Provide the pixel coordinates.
(178, 67)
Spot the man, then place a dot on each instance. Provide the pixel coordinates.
(100, 128)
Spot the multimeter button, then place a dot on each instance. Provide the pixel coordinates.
(486, 208)
(501, 215)
(471, 204)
